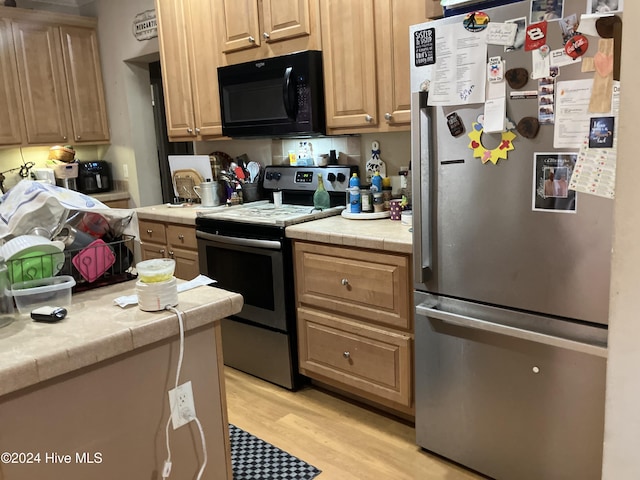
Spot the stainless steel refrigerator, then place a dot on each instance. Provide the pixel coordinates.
(511, 282)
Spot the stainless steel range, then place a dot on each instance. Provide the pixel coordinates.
(245, 249)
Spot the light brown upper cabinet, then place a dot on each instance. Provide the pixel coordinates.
(189, 58)
(255, 29)
(84, 84)
(12, 125)
(59, 77)
(366, 63)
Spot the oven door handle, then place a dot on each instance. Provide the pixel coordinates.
(243, 242)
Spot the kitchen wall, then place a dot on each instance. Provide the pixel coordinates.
(622, 421)
(395, 149)
(125, 72)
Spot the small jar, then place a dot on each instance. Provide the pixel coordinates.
(365, 198)
(386, 196)
(378, 202)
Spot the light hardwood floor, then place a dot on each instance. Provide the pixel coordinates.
(344, 440)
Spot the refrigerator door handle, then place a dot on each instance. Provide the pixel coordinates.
(421, 145)
(477, 324)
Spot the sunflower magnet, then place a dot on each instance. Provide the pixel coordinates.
(484, 154)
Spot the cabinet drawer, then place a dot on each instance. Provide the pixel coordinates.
(152, 232)
(371, 286)
(182, 236)
(370, 361)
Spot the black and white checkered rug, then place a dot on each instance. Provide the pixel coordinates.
(255, 459)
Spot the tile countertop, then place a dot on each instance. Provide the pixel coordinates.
(380, 234)
(95, 329)
(111, 196)
(163, 213)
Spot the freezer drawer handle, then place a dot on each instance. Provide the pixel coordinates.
(477, 324)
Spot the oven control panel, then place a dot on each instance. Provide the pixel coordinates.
(304, 176)
(305, 179)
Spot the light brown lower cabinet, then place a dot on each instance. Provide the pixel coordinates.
(373, 362)
(168, 240)
(355, 327)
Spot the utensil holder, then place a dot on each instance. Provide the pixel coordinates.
(251, 192)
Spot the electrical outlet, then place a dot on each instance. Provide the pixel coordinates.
(125, 171)
(183, 410)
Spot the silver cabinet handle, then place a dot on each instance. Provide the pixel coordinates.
(344, 281)
(78, 137)
(368, 118)
(265, 35)
(189, 130)
(388, 116)
(162, 251)
(197, 131)
(180, 236)
(171, 253)
(149, 231)
(478, 324)
(346, 355)
(64, 137)
(251, 40)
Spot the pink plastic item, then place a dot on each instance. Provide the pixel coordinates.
(94, 260)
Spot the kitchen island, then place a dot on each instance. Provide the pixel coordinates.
(87, 397)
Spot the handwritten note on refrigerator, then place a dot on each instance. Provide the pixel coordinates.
(459, 75)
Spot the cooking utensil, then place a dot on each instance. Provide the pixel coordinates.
(184, 181)
(254, 171)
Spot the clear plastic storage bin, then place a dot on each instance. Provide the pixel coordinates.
(52, 291)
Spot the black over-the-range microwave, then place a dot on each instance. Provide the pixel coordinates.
(280, 96)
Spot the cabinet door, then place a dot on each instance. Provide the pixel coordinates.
(12, 125)
(150, 251)
(84, 82)
(348, 40)
(174, 58)
(187, 267)
(284, 19)
(204, 61)
(392, 22)
(42, 82)
(239, 24)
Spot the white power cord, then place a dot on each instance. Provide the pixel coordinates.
(166, 470)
